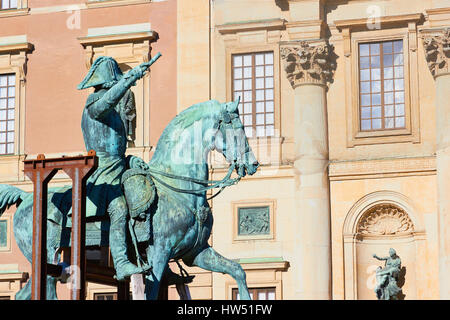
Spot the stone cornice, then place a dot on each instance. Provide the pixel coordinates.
(271, 24)
(307, 63)
(437, 50)
(16, 47)
(403, 19)
(115, 38)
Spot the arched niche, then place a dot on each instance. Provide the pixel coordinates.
(375, 223)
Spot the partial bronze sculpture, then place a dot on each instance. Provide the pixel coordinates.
(162, 204)
(387, 277)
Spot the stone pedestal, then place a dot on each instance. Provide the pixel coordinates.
(437, 51)
(308, 69)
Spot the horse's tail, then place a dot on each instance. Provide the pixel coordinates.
(10, 195)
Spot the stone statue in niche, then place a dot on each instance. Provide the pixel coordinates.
(387, 287)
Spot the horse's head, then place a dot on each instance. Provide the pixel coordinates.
(232, 142)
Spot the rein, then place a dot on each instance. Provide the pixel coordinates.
(208, 184)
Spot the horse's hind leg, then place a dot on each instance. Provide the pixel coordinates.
(211, 260)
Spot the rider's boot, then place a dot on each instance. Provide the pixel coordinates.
(118, 244)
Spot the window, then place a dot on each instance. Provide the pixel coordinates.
(7, 110)
(8, 4)
(3, 233)
(105, 296)
(253, 82)
(257, 293)
(382, 85)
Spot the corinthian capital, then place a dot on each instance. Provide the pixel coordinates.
(308, 64)
(437, 52)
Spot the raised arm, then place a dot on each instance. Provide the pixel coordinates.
(380, 258)
(101, 107)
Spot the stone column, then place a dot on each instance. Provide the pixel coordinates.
(308, 69)
(437, 53)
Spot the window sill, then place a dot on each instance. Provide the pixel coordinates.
(13, 12)
(113, 3)
(385, 136)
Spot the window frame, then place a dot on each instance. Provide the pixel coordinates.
(15, 113)
(21, 9)
(235, 292)
(253, 78)
(355, 32)
(236, 50)
(7, 218)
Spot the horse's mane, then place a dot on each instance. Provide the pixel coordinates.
(183, 120)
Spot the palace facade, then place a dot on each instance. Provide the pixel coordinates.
(345, 104)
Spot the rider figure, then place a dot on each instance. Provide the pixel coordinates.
(105, 130)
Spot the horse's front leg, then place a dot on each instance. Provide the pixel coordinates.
(209, 259)
(159, 256)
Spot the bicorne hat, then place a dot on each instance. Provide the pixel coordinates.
(104, 71)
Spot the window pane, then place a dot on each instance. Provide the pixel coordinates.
(388, 73)
(248, 131)
(400, 110)
(269, 82)
(259, 71)
(260, 118)
(398, 46)
(259, 59)
(11, 136)
(376, 124)
(238, 73)
(374, 48)
(259, 83)
(247, 60)
(376, 75)
(388, 85)
(2, 114)
(3, 103)
(398, 72)
(247, 72)
(269, 58)
(270, 131)
(269, 106)
(365, 113)
(10, 148)
(376, 112)
(365, 75)
(387, 60)
(3, 92)
(365, 125)
(13, 4)
(376, 86)
(365, 99)
(363, 49)
(375, 62)
(387, 47)
(376, 99)
(364, 62)
(247, 108)
(247, 96)
(271, 296)
(3, 81)
(399, 84)
(389, 98)
(11, 114)
(398, 59)
(269, 118)
(12, 80)
(260, 107)
(389, 123)
(2, 148)
(262, 296)
(248, 84)
(399, 97)
(5, 4)
(248, 120)
(2, 125)
(10, 125)
(389, 111)
(3, 137)
(365, 87)
(259, 95)
(11, 102)
(260, 131)
(400, 122)
(238, 95)
(269, 70)
(237, 85)
(237, 61)
(269, 94)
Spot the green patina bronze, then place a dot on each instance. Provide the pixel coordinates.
(387, 277)
(162, 205)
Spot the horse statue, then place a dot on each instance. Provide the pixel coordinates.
(177, 221)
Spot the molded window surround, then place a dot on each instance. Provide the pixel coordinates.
(355, 35)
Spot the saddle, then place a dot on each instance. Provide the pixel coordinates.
(139, 191)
